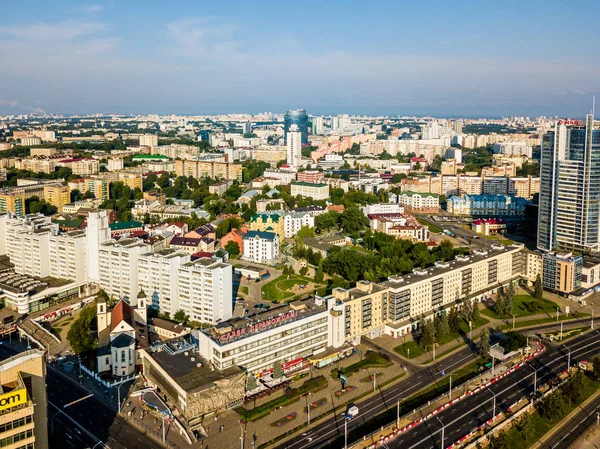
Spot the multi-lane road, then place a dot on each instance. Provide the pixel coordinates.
(460, 418)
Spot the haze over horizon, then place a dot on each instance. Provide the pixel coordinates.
(458, 59)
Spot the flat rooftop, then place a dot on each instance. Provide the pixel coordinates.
(420, 274)
(188, 374)
(265, 320)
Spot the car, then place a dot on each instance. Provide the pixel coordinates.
(351, 411)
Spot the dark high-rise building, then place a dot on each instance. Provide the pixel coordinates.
(299, 118)
(569, 209)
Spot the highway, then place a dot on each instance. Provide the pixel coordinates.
(575, 427)
(475, 410)
(325, 432)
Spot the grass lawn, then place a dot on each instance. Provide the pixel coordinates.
(410, 349)
(244, 290)
(525, 305)
(279, 288)
(432, 227)
(416, 349)
(541, 426)
(519, 324)
(371, 359)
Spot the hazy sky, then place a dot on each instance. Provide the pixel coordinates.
(447, 58)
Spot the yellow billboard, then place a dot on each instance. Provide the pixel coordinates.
(13, 398)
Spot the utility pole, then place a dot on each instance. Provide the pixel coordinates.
(568, 359)
(374, 381)
(398, 415)
(513, 322)
(561, 331)
(534, 379)
(494, 406)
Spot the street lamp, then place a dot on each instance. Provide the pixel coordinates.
(534, 378)
(308, 407)
(494, 407)
(450, 392)
(569, 358)
(443, 428)
(513, 322)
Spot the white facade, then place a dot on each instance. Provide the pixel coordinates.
(382, 208)
(149, 140)
(417, 201)
(115, 163)
(293, 332)
(205, 290)
(285, 176)
(157, 278)
(118, 265)
(296, 220)
(261, 247)
(515, 147)
(294, 146)
(97, 232)
(309, 190)
(35, 247)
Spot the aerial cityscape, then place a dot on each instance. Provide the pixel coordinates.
(296, 226)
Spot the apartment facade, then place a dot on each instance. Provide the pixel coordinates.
(569, 206)
(261, 247)
(12, 202)
(209, 169)
(294, 221)
(315, 191)
(205, 290)
(118, 267)
(158, 277)
(57, 196)
(562, 272)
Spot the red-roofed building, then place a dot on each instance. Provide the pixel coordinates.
(236, 235)
(489, 226)
(336, 207)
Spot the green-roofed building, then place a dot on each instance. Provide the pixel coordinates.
(124, 227)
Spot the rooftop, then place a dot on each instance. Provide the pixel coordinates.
(309, 184)
(131, 224)
(420, 274)
(238, 328)
(260, 234)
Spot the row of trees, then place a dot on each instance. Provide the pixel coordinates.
(504, 302)
(436, 330)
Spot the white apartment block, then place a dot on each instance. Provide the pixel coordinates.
(309, 190)
(35, 247)
(382, 208)
(205, 290)
(515, 147)
(149, 140)
(294, 146)
(294, 221)
(157, 278)
(443, 285)
(417, 201)
(118, 267)
(97, 232)
(261, 247)
(116, 163)
(285, 176)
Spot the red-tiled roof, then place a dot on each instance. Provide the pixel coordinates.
(121, 312)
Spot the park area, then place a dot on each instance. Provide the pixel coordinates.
(285, 287)
(525, 305)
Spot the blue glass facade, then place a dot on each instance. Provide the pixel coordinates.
(299, 118)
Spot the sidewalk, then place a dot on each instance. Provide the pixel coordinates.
(287, 418)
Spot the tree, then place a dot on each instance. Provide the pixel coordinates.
(538, 291)
(319, 276)
(232, 247)
(596, 368)
(453, 319)
(441, 327)
(251, 384)
(75, 195)
(513, 341)
(303, 271)
(509, 297)
(499, 441)
(181, 317)
(552, 407)
(82, 334)
(573, 389)
(428, 334)
(475, 314)
(485, 342)
(277, 371)
(466, 309)
(525, 426)
(306, 232)
(353, 220)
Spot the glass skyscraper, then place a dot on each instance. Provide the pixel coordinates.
(299, 118)
(569, 210)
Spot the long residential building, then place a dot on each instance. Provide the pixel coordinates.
(490, 205)
(209, 169)
(118, 267)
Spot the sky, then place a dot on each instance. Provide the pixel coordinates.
(466, 58)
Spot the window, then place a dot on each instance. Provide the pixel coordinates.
(107, 361)
(123, 356)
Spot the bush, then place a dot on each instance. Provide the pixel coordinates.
(371, 359)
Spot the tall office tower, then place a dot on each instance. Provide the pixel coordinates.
(299, 118)
(247, 127)
(294, 147)
(335, 123)
(97, 232)
(569, 211)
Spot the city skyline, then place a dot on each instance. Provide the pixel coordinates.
(460, 60)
